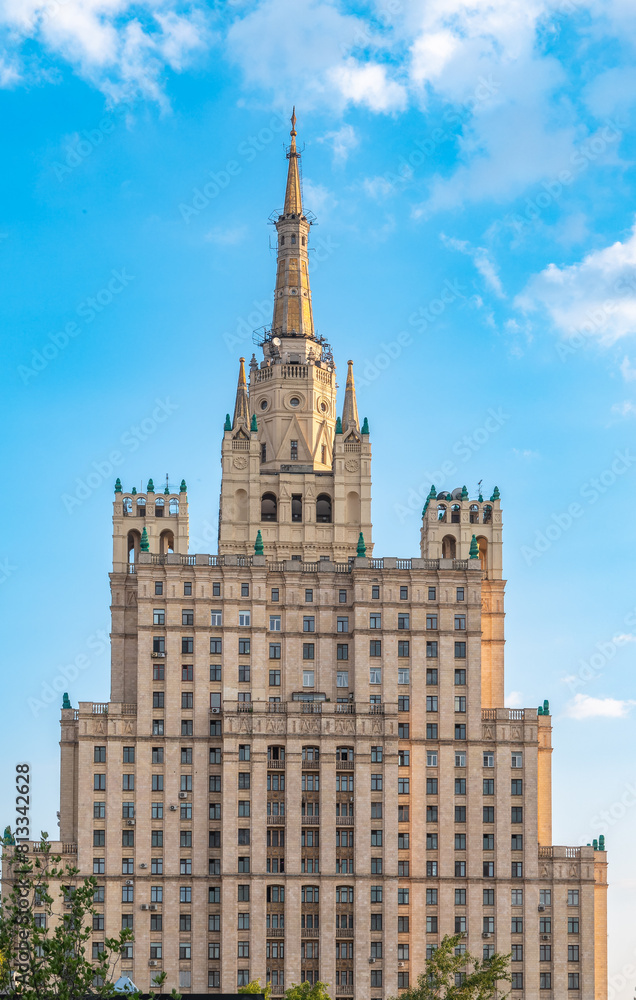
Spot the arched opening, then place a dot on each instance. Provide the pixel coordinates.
(296, 507)
(441, 512)
(323, 509)
(344, 753)
(483, 553)
(353, 509)
(166, 543)
(134, 538)
(311, 754)
(487, 514)
(474, 513)
(127, 506)
(141, 506)
(240, 505)
(159, 507)
(174, 507)
(269, 507)
(455, 509)
(449, 547)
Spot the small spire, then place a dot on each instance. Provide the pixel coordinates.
(473, 552)
(134, 491)
(183, 488)
(350, 408)
(66, 701)
(241, 407)
(118, 488)
(253, 424)
(228, 423)
(258, 544)
(338, 425)
(464, 495)
(293, 197)
(144, 545)
(365, 426)
(150, 488)
(495, 494)
(362, 549)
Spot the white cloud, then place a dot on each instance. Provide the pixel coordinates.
(624, 409)
(514, 699)
(628, 371)
(342, 142)
(368, 85)
(120, 46)
(378, 188)
(481, 260)
(583, 706)
(595, 297)
(225, 237)
(624, 638)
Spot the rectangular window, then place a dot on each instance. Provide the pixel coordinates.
(573, 897)
(187, 617)
(308, 678)
(431, 786)
(274, 678)
(245, 590)
(275, 594)
(460, 812)
(516, 897)
(216, 590)
(342, 679)
(158, 588)
(573, 953)
(309, 623)
(516, 981)
(404, 677)
(99, 782)
(489, 760)
(460, 623)
(489, 897)
(375, 675)
(516, 760)
(573, 925)
(431, 730)
(432, 703)
(187, 672)
(99, 810)
(431, 869)
(158, 616)
(403, 731)
(404, 621)
(159, 644)
(274, 623)
(342, 624)
(432, 677)
(342, 651)
(516, 786)
(545, 980)
(516, 869)
(216, 645)
(342, 596)
(187, 644)
(244, 647)
(375, 647)
(158, 672)
(245, 619)
(274, 650)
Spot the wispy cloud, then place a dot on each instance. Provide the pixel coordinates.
(226, 236)
(583, 706)
(482, 261)
(625, 409)
(514, 699)
(342, 141)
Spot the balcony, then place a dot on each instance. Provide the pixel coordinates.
(275, 932)
(506, 714)
(344, 932)
(307, 932)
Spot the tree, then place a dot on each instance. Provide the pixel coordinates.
(46, 958)
(452, 976)
(255, 987)
(305, 991)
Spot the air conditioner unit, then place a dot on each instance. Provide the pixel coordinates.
(215, 711)
(371, 961)
(128, 881)
(351, 799)
(155, 655)
(486, 934)
(144, 906)
(183, 795)
(142, 865)
(153, 906)
(545, 937)
(173, 809)
(541, 909)
(400, 965)
(152, 961)
(130, 822)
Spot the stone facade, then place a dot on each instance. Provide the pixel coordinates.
(306, 769)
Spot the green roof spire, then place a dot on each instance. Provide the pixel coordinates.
(338, 425)
(362, 549)
(118, 488)
(228, 423)
(144, 545)
(258, 544)
(66, 701)
(473, 552)
(365, 426)
(150, 488)
(464, 495)
(601, 842)
(253, 424)
(495, 493)
(134, 491)
(546, 707)
(540, 710)
(166, 489)
(183, 488)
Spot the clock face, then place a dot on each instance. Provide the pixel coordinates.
(351, 465)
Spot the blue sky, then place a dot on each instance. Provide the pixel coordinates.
(486, 149)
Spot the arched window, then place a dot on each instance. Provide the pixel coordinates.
(441, 512)
(455, 509)
(128, 506)
(323, 509)
(344, 894)
(276, 753)
(449, 547)
(311, 754)
(174, 507)
(240, 505)
(344, 753)
(483, 553)
(353, 509)
(487, 514)
(159, 507)
(166, 543)
(134, 539)
(275, 893)
(474, 513)
(297, 507)
(141, 506)
(269, 507)
(310, 894)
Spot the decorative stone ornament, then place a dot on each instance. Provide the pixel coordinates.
(144, 545)
(495, 494)
(118, 488)
(473, 552)
(228, 423)
(362, 549)
(365, 426)
(258, 544)
(338, 425)
(150, 488)
(183, 488)
(253, 424)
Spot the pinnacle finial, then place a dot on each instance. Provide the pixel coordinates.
(66, 701)
(362, 549)
(338, 425)
(495, 494)
(118, 488)
(258, 544)
(183, 488)
(365, 426)
(144, 545)
(293, 122)
(253, 424)
(150, 488)
(473, 552)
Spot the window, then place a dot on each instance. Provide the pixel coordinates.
(309, 623)
(516, 925)
(516, 869)
(573, 953)
(404, 758)
(375, 675)
(460, 811)
(274, 678)
(342, 651)
(545, 925)
(460, 729)
(403, 731)
(99, 838)
(342, 624)
(488, 869)
(404, 677)
(489, 760)
(185, 810)
(244, 647)
(460, 623)
(404, 593)
(158, 644)
(516, 760)
(516, 897)
(403, 897)
(158, 588)
(516, 981)
(376, 866)
(245, 618)
(431, 730)
(243, 865)
(308, 678)
(431, 758)
(99, 810)
(573, 925)
(243, 975)
(375, 647)
(275, 594)
(431, 786)
(489, 897)
(243, 779)
(216, 645)
(488, 925)
(155, 951)
(342, 679)
(187, 617)
(431, 868)
(187, 644)
(157, 699)
(460, 841)
(216, 590)
(431, 677)
(158, 672)
(488, 841)
(308, 650)
(431, 703)
(187, 672)
(545, 897)
(545, 981)
(573, 897)
(99, 782)
(404, 621)
(274, 650)
(274, 623)
(159, 616)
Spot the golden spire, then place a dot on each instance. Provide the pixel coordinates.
(241, 407)
(293, 198)
(350, 408)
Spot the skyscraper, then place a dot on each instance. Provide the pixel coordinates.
(306, 769)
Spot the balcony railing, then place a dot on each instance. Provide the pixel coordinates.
(503, 714)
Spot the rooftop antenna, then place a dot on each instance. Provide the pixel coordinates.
(166, 480)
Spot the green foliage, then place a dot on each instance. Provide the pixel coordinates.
(480, 978)
(305, 991)
(51, 961)
(255, 987)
